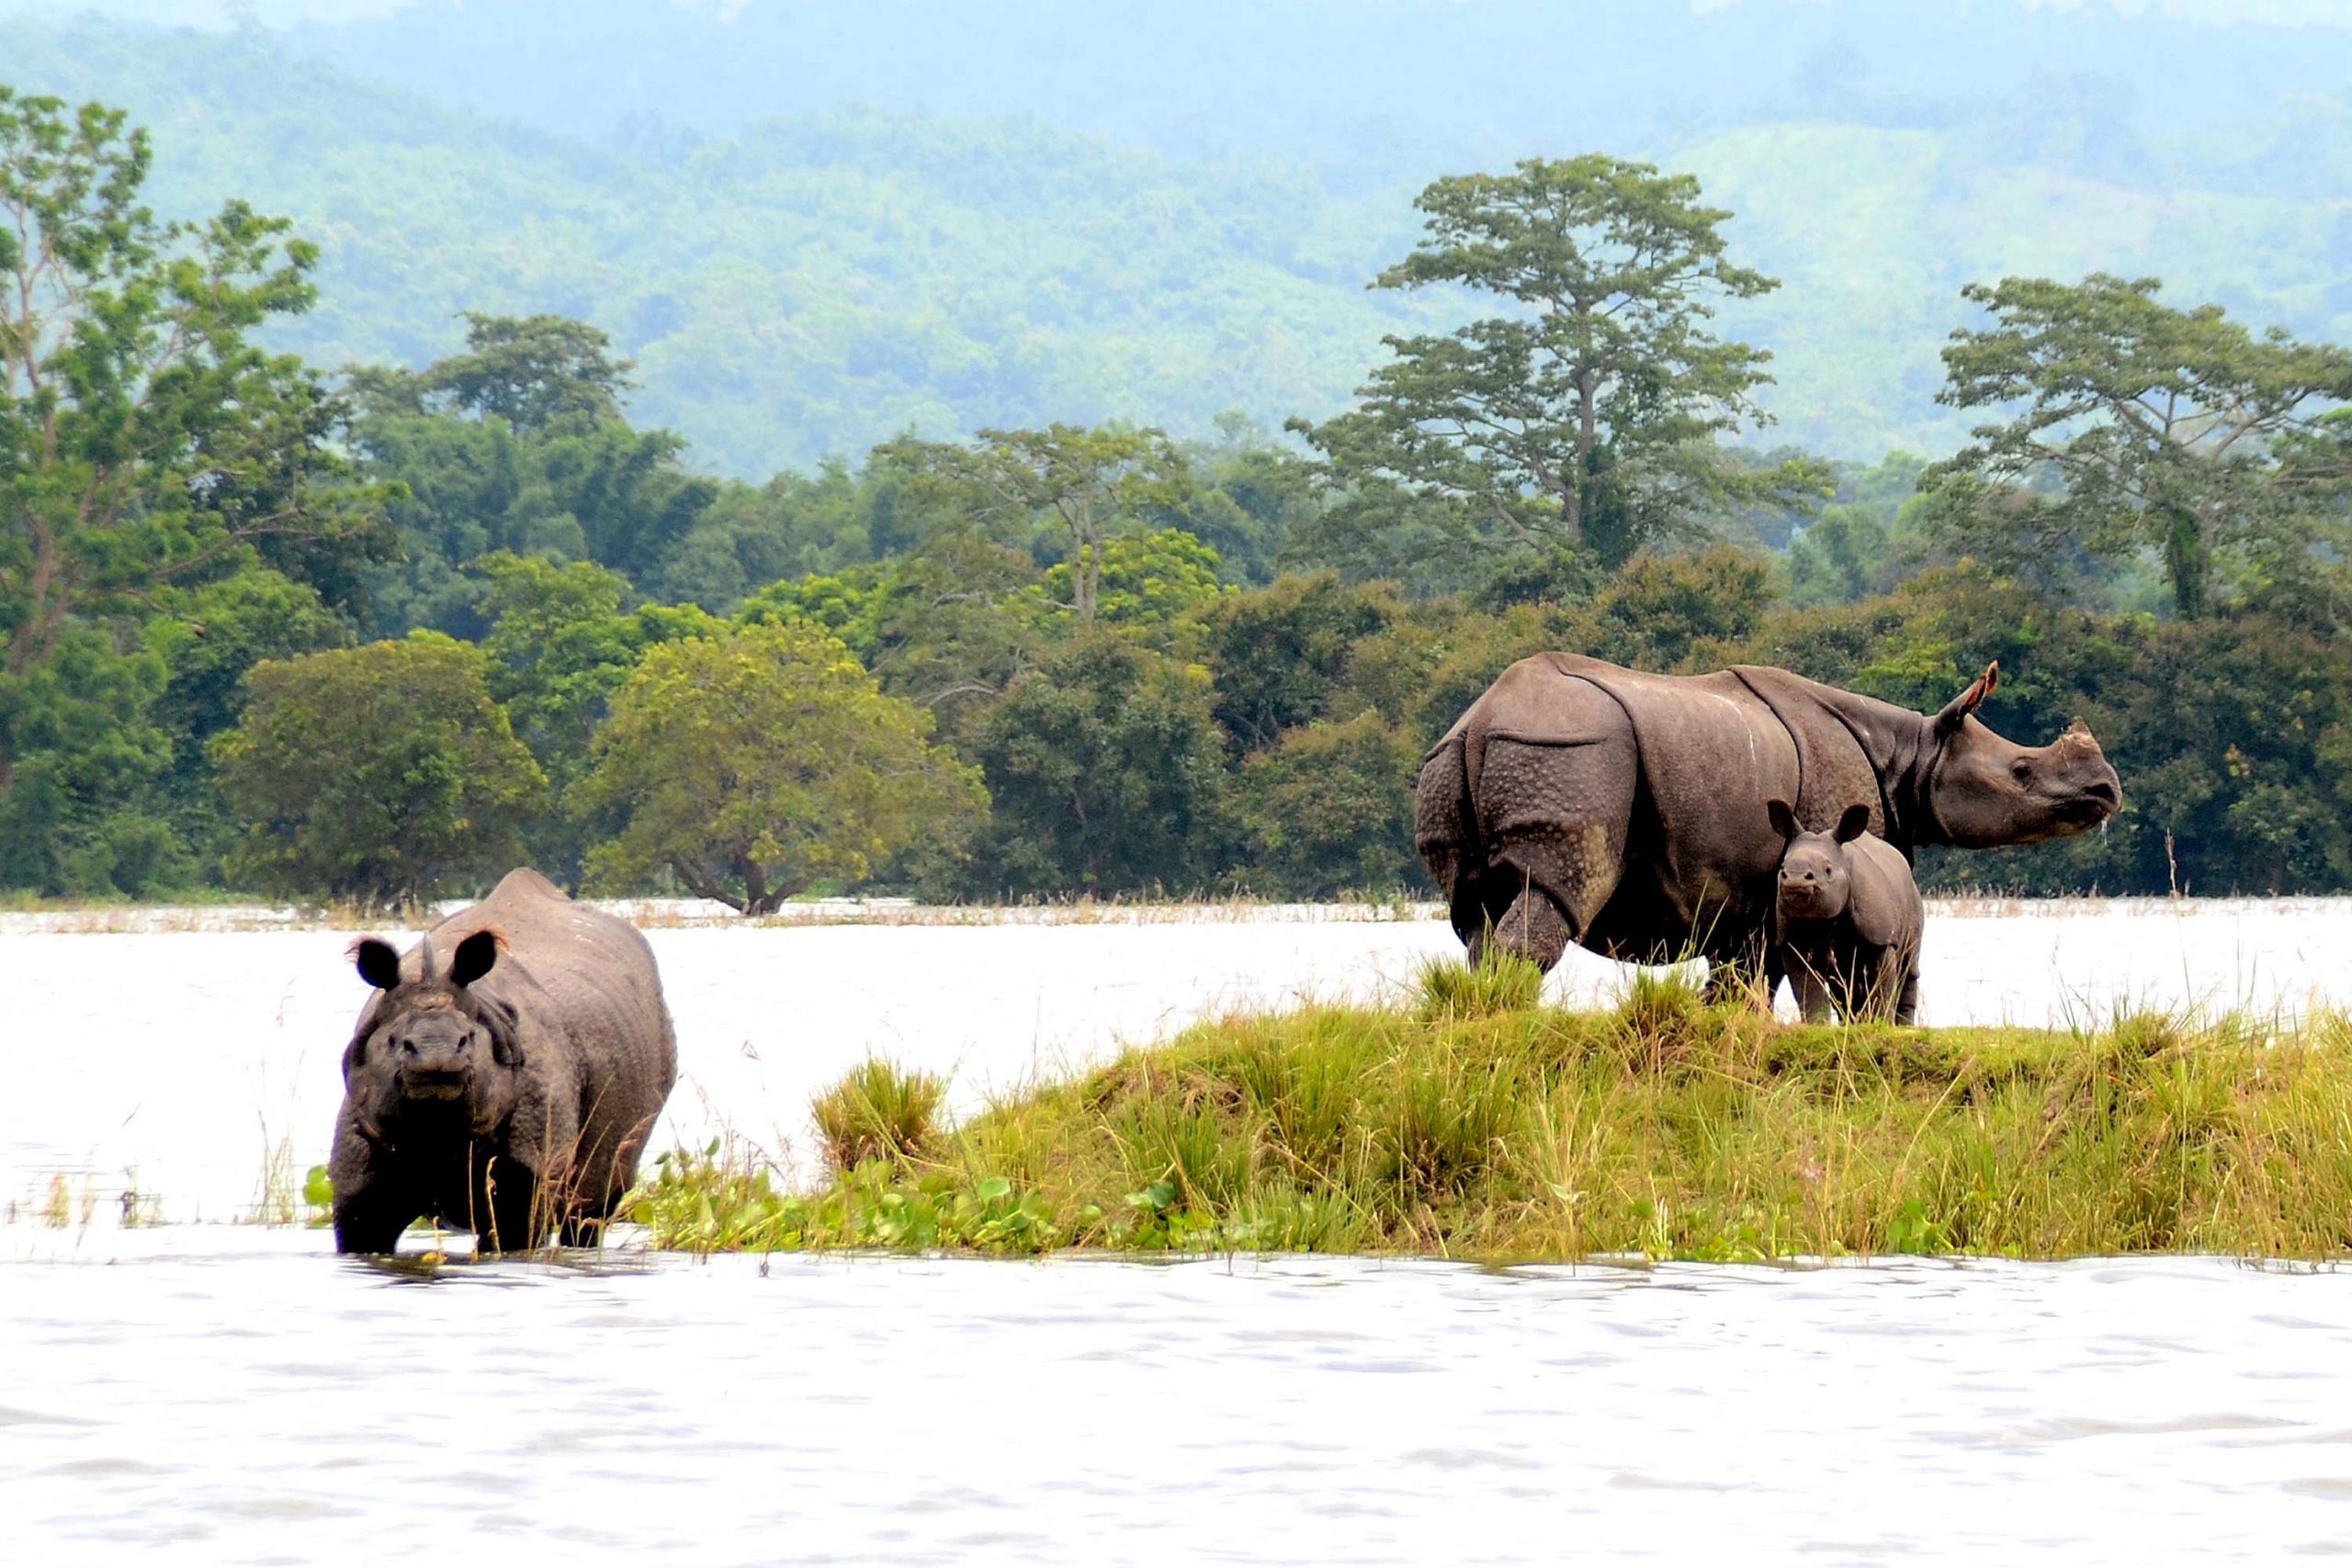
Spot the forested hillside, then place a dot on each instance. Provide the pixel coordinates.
(806, 285)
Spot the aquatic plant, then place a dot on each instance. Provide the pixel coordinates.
(1667, 1127)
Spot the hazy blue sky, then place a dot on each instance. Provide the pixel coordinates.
(2335, 14)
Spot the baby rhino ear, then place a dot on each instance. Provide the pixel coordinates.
(379, 964)
(1852, 826)
(1784, 821)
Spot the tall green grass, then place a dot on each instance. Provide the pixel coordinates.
(1473, 1121)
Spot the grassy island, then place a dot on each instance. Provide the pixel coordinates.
(1474, 1123)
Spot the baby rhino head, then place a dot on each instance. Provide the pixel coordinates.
(1815, 881)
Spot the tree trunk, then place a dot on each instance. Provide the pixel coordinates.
(2187, 563)
(1086, 580)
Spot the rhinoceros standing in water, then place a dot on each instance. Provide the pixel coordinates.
(1577, 801)
(505, 1075)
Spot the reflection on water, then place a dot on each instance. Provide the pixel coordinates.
(172, 1064)
(213, 1394)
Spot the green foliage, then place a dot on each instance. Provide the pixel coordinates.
(2163, 429)
(753, 764)
(1083, 612)
(148, 453)
(1105, 768)
(559, 647)
(1865, 539)
(1280, 654)
(318, 1197)
(947, 626)
(527, 372)
(1657, 610)
(1328, 810)
(1586, 418)
(386, 774)
(1148, 582)
(573, 480)
(1076, 486)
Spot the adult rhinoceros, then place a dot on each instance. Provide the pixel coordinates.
(503, 1076)
(1576, 801)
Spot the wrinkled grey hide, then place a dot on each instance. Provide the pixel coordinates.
(1849, 920)
(504, 1077)
(1576, 801)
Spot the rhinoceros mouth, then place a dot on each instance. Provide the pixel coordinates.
(1801, 905)
(434, 1088)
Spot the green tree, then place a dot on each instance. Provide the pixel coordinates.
(2163, 428)
(217, 633)
(1280, 653)
(385, 773)
(147, 449)
(518, 445)
(1659, 609)
(1586, 417)
(1152, 583)
(1105, 772)
(559, 646)
(527, 372)
(1330, 810)
(947, 626)
(755, 765)
(1078, 485)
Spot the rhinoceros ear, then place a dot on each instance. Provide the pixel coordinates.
(1784, 821)
(1961, 707)
(379, 964)
(1853, 824)
(474, 957)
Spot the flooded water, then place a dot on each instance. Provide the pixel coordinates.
(217, 1394)
(228, 1393)
(174, 1065)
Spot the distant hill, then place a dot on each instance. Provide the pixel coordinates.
(801, 285)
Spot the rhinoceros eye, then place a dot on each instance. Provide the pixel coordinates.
(2021, 770)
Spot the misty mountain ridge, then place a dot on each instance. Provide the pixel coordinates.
(805, 284)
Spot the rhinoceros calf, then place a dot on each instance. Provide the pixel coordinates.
(508, 1087)
(1576, 801)
(1848, 921)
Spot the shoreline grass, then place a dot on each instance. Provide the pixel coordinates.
(1471, 1122)
(25, 914)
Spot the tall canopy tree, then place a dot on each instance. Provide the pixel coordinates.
(2175, 433)
(1080, 484)
(1585, 417)
(518, 443)
(146, 446)
(529, 371)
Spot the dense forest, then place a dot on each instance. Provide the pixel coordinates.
(378, 632)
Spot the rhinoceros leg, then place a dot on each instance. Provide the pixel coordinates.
(1554, 819)
(369, 1219)
(1906, 1000)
